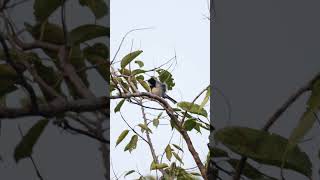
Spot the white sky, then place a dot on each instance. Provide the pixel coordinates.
(177, 26)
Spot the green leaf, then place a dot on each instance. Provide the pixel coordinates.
(122, 136)
(155, 166)
(132, 144)
(98, 55)
(44, 8)
(98, 7)
(140, 63)
(168, 151)
(192, 108)
(189, 124)
(25, 146)
(88, 32)
(206, 98)
(144, 85)
(119, 105)
(177, 157)
(178, 147)
(264, 147)
(138, 71)
(129, 172)
(129, 57)
(144, 127)
(47, 32)
(156, 120)
(249, 171)
(309, 116)
(166, 77)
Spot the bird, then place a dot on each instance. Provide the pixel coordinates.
(158, 88)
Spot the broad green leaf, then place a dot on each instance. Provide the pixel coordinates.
(155, 166)
(25, 146)
(178, 147)
(88, 32)
(166, 77)
(144, 85)
(206, 99)
(156, 120)
(309, 116)
(98, 55)
(46, 31)
(144, 127)
(138, 71)
(177, 157)
(139, 77)
(140, 63)
(132, 144)
(129, 172)
(119, 105)
(264, 147)
(249, 171)
(189, 124)
(192, 108)
(122, 136)
(44, 8)
(168, 151)
(129, 57)
(98, 7)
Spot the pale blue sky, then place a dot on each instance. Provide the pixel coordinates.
(177, 26)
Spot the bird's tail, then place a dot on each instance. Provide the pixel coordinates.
(171, 99)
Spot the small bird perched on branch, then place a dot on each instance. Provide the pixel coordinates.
(158, 88)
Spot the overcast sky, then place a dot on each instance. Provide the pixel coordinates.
(179, 27)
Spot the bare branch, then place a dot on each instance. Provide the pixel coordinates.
(56, 107)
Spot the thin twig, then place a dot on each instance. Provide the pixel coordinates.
(21, 79)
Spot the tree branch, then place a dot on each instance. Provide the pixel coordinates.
(53, 108)
(21, 79)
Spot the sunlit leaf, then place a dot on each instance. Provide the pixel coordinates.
(168, 151)
(155, 166)
(119, 105)
(140, 63)
(122, 136)
(192, 108)
(132, 144)
(189, 124)
(144, 85)
(206, 99)
(166, 77)
(178, 147)
(177, 157)
(130, 57)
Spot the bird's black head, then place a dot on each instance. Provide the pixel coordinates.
(152, 82)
